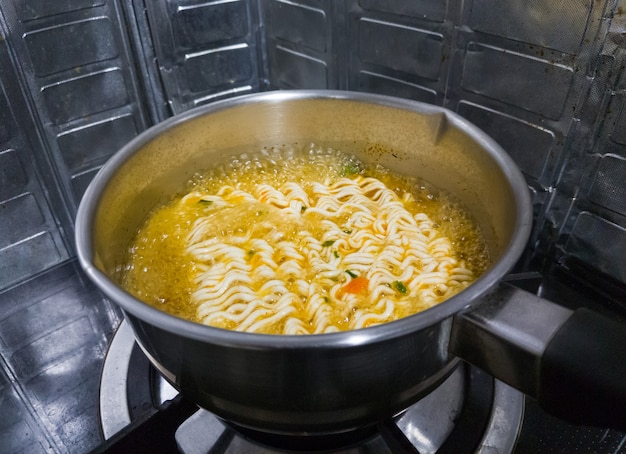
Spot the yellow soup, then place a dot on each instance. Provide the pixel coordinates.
(304, 241)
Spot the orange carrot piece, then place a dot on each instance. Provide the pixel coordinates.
(356, 285)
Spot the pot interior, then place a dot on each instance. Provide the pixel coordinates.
(408, 137)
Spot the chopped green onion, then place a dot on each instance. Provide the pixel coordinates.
(351, 274)
(302, 209)
(205, 202)
(350, 169)
(251, 252)
(328, 243)
(400, 287)
(347, 231)
(336, 254)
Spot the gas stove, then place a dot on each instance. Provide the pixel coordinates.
(79, 383)
(80, 78)
(469, 409)
(469, 412)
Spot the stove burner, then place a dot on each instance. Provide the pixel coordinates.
(468, 412)
(289, 443)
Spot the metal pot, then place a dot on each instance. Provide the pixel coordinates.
(323, 384)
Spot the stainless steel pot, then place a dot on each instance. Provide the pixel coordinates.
(334, 382)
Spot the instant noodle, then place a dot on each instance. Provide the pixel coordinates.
(304, 241)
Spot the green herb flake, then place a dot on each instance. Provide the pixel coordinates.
(303, 209)
(350, 169)
(347, 232)
(352, 274)
(336, 254)
(328, 243)
(251, 252)
(400, 287)
(205, 202)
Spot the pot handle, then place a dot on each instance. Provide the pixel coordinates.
(572, 362)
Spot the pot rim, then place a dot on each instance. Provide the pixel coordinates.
(463, 300)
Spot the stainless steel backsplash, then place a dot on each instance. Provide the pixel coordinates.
(545, 78)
